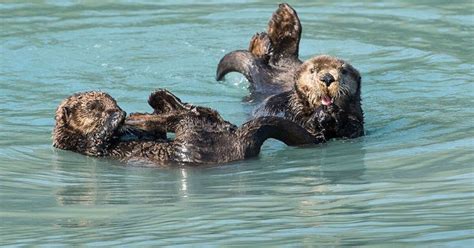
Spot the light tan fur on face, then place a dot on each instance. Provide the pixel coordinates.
(84, 113)
(309, 83)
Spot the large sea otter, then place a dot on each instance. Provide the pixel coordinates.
(92, 123)
(271, 60)
(325, 99)
(321, 94)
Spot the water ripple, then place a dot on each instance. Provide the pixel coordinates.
(408, 182)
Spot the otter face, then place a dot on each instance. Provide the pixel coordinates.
(324, 80)
(87, 122)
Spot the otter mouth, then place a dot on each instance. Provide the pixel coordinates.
(327, 100)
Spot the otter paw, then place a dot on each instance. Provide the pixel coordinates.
(284, 29)
(260, 45)
(162, 101)
(322, 119)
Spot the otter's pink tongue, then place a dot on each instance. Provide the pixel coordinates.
(326, 100)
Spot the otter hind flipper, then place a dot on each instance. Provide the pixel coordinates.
(162, 101)
(260, 46)
(236, 61)
(284, 31)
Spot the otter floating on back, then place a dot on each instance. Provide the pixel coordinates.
(93, 124)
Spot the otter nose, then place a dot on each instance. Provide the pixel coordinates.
(327, 79)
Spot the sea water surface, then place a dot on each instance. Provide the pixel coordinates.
(408, 182)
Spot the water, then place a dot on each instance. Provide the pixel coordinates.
(408, 182)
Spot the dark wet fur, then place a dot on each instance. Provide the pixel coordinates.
(271, 60)
(271, 65)
(342, 119)
(202, 136)
(323, 122)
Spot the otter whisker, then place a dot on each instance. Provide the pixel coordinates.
(124, 129)
(344, 90)
(338, 93)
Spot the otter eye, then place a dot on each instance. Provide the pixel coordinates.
(312, 70)
(95, 105)
(344, 71)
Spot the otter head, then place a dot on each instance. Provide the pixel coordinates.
(87, 123)
(324, 80)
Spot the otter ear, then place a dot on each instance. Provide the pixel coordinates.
(66, 114)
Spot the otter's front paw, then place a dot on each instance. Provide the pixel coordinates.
(146, 124)
(260, 45)
(333, 108)
(324, 119)
(162, 101)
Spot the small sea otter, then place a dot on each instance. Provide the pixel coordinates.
(271, 60)
(325, 100)
(92, 123)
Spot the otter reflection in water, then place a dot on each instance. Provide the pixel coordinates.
(92, 123)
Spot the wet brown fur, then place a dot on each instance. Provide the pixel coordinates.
(271, 60)
(92, 123)
(303, 105)
(85, 123)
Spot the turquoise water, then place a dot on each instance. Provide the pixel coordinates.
(408, 182)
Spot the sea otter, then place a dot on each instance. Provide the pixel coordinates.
(92, 123)
(325, 100)
(271, 60)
